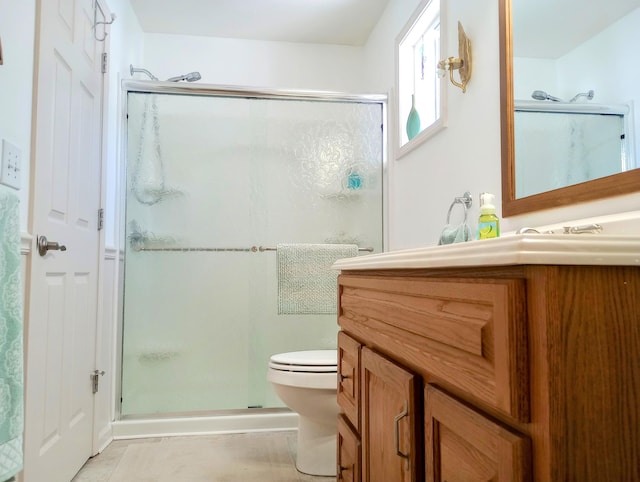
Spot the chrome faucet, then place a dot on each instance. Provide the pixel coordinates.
(585, 228)
(527, 230)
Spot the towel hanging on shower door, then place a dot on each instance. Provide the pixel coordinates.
(306, 282)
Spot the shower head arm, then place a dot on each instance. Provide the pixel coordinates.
(133, 70)
(190, 77)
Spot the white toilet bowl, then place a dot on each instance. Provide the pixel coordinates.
(306, 381)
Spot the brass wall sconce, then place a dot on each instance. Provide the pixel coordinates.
(462, 63)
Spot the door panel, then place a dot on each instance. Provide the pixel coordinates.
(62, 313)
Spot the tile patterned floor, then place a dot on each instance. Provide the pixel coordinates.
(250, 457)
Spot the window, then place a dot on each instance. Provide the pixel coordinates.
(420, 108)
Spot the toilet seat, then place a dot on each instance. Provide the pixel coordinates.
(312, 361)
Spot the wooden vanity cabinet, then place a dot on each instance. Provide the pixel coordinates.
(518, 373)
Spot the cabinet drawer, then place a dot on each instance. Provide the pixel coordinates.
(461, 445)
(349, 378)
(469, 333)
(348, 455)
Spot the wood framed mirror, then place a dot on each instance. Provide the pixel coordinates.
(601, 187)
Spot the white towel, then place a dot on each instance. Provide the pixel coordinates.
(306, 282)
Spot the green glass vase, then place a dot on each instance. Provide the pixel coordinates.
(413, 121)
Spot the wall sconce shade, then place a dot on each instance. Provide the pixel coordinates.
(462, 63)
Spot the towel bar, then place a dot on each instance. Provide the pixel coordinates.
(252, 249)
(263, 248)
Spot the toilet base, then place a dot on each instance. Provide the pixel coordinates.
(316, 453)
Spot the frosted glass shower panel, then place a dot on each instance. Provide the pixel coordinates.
(557, 149)
(229, 175)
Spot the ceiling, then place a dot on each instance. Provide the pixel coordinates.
(551, 28)
(542, 28)
(343, 22)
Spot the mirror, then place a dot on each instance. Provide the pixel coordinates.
(550, 56)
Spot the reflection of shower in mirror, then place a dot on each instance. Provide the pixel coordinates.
(561, 143)
(542, 95)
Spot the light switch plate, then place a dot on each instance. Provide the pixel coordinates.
(11, 165)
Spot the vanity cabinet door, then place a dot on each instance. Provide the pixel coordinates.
(349, 378)
(348, 469)
(390, 421)
(461, 445)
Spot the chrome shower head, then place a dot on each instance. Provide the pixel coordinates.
(190, 77)
(589, 95)
(542, 95)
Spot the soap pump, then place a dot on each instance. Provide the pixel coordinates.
(488, 223)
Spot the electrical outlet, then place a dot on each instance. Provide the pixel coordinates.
(11, 165)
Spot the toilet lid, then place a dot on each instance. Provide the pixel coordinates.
(322, 361)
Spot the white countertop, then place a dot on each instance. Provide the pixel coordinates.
(567, 249)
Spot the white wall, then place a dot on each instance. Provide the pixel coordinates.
(126, 48)
(463, 157)
(17, 30)
(466, 155)
(253, 63)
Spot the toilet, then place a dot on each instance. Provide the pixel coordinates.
(306, 381)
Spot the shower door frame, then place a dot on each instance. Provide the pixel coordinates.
(213, 90)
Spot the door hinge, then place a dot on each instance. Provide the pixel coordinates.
(104, 62)
(95, 377)
(100, 219)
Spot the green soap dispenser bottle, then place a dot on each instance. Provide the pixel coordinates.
(488, 223)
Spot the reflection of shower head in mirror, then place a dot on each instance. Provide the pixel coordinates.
(542, 95)
(589, 95)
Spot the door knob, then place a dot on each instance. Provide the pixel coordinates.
(44, 245)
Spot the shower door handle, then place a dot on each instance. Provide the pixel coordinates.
(44, 245)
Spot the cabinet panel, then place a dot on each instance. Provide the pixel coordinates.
(471, 333)
(348, 453)
(349, 378)
(462, 445)
(391, 422)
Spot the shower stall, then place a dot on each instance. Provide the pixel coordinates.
(216, 179)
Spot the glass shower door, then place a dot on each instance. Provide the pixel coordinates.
(210, 180)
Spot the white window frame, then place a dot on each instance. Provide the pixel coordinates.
(418, 24)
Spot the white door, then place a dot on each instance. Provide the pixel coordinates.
(61, 339)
